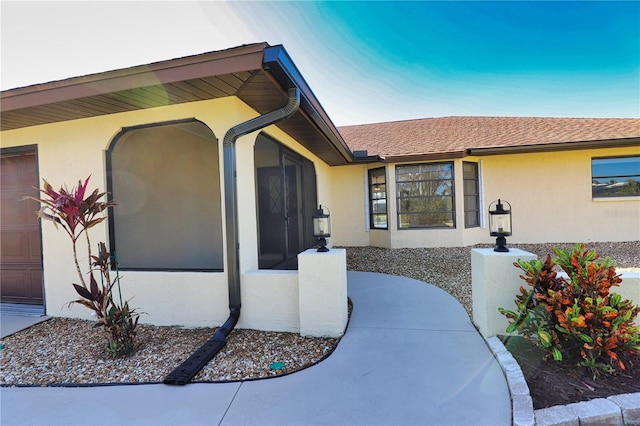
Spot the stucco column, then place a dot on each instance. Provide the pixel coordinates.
(322, 287)
(495, 283)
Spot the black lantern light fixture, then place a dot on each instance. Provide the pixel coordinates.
(322, 228)
(500, 224)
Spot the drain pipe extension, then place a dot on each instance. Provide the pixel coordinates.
(189, 368)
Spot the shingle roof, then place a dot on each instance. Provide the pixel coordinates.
(454, 136)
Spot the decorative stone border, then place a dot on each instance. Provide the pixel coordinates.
(616, 410)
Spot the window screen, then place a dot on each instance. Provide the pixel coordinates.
(165, 181)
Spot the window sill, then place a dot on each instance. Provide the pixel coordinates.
(130, 269)
(426, 228)
(605, 199)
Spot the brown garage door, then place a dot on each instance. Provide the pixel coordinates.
(20, 256)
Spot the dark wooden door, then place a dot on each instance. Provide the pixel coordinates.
(20, 252)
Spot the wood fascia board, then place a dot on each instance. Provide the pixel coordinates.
(246, 58)
(279, 64)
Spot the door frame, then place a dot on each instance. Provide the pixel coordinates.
(25, 149)
(288, 158)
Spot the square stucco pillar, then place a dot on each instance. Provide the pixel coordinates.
(495, 282)
(322, 289)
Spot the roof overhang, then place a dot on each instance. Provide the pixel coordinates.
(504, 150)
(422, 157)
(551, 147)
(258, 74)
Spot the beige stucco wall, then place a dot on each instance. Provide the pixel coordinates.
(348, 206)
(550, 196)
(351, 195)
(72, 150)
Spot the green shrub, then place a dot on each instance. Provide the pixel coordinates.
(577, 320)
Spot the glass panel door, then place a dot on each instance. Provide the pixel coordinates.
(286, 196)
(294, 220)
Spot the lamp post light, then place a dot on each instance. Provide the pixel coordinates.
(500, 224)
(322, 228)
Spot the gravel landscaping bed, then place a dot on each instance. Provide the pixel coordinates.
(450, 268)
(70, 351)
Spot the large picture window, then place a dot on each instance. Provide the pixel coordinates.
(615, 177)
(425, 195)
(471, 189)
(165, 180)
(377, 198)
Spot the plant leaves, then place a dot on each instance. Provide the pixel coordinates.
(545, 338)
(83, 292)
(95, 292)
(585, 338)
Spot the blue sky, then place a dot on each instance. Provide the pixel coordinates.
(365, 61)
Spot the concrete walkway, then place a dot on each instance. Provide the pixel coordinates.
(410, 356)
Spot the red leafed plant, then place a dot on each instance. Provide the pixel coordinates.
(76, 215)
(577, 320)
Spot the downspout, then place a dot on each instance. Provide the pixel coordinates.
(231, 187)
(189, 368)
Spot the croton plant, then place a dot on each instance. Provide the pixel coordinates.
(576, 319)
(76, 214)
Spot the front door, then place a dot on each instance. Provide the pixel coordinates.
(20, 254)
(286, 195)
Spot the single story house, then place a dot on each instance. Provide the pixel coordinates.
(566, 179)
(218, 162)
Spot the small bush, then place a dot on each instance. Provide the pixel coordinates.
(76, 215)
(577, 320)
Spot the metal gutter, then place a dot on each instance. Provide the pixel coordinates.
(278, 63)
(423, 157)
(550, 147)
(189, 368)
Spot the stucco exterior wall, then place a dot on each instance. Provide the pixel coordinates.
(348, 206)
(72, 150)
(550, 196)
(350, 210)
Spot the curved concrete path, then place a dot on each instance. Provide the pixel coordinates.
(410, 356)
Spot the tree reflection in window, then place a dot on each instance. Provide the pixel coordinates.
(615, 177)
(425, 195)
